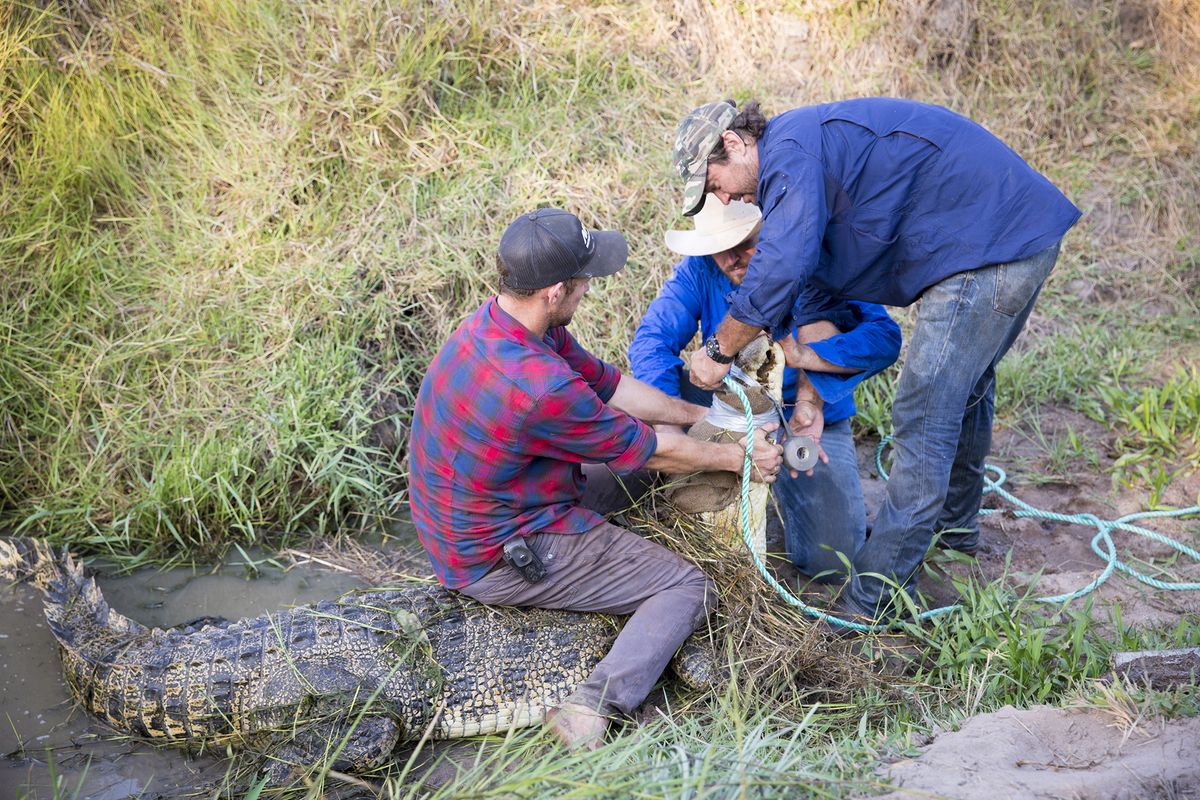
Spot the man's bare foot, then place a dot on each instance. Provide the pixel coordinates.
(577, 726)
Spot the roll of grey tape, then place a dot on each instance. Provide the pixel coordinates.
(800, 453)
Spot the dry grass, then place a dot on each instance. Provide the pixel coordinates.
(771, 649)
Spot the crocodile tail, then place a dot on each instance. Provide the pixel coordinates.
(24, 559)
(73, 601)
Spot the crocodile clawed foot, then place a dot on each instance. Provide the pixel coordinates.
(577, 727)
(349, 745)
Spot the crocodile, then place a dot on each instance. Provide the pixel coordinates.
(360, 673)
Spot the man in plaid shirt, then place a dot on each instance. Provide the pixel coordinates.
(509, 411)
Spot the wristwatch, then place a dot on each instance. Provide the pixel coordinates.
(713, 348)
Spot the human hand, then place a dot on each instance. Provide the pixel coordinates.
(706, 373)
(808, 419)
(766, 456)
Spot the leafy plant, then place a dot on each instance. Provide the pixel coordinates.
(1155, 426)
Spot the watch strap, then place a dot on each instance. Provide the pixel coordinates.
(713, 348)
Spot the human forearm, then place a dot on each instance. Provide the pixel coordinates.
(806, 392)
(801, 356)
(652, 406)
(733, 335)
(816, 331)
(678, 453)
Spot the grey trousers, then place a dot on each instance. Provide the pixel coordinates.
(612, 570)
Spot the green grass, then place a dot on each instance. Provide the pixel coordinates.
(1158, 426)
(873, 400)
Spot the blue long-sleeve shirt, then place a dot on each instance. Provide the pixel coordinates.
(696, 293)
(877, 199)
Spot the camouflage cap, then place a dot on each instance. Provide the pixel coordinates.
(695, 139)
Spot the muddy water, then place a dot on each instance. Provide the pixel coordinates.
(46, 741)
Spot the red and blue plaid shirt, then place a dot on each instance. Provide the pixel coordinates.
(502, 423)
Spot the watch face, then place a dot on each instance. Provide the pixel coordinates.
(713, 348)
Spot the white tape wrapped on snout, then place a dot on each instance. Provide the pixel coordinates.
(724, 416)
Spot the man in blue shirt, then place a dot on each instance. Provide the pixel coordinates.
(823, 513)
(888, 201)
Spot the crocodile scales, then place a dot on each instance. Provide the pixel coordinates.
(370, 668)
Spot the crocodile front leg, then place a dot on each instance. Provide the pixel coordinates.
(347, 745)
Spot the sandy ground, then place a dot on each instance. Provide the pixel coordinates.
(1045, 752)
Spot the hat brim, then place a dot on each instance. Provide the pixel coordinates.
(707, 243)
(693, 192)
(610, 255)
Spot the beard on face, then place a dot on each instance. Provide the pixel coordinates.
(564, 310)
(743, 181)
(559, 317)
(740, 261)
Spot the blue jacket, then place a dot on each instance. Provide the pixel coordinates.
(697, 292)
(878, 199)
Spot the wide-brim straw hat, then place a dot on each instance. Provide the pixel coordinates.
(718, 227)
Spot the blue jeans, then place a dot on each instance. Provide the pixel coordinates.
(942, 419)
(823, 515)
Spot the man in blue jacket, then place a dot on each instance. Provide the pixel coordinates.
(823, 513)
(888, 201)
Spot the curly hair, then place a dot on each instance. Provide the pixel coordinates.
(749, 122)
(518, 292)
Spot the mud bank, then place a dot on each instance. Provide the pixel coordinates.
(1045, 752)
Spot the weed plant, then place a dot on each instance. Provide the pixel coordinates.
(1156, 423)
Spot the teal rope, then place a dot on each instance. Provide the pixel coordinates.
(1103, 536)
(782, 590)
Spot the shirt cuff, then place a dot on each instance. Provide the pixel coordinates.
(743, 310)
(833, 386)
(644, 443)
(831, 351)
(607, 385)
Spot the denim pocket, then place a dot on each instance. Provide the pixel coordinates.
(1016, 283)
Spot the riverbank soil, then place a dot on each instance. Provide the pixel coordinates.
(1045, 752)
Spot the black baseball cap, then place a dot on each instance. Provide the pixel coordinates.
(550, 245)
